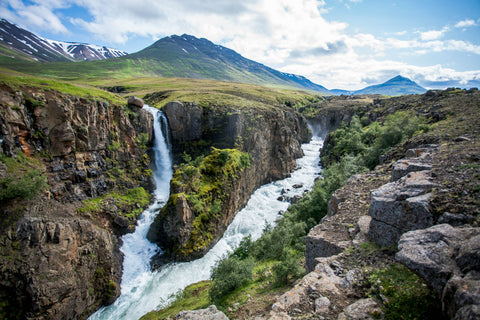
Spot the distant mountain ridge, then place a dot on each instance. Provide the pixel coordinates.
(191, 57)
(28, 45)
(174, 56)
(395, 86)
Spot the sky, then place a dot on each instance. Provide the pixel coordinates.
(342, 44)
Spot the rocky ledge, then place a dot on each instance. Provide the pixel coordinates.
(341, 258)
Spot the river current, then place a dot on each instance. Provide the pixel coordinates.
(144, 290)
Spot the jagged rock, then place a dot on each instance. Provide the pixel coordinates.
(401, 206)
(135, 101)
(211, 313)
(322, 305)
(448, 259)
(402, 167)
(185, 121)
(455, 219)
(363, 309)
(422, 151)
(56, 263)
(320, 293)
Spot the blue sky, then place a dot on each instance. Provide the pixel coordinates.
(344, 44)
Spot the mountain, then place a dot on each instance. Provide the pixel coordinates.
(20, 43)
(396, 86)
(191, 57)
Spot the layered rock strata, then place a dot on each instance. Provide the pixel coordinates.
(58, 263)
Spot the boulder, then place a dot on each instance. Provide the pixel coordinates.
(135, 101)
(448, 259)
(404, 166)
(400, 206)
(211, 313)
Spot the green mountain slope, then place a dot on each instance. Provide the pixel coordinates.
(175, 56)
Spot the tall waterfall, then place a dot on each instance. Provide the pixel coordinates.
(144, 290)
(137, 250)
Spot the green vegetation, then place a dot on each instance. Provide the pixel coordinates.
(366, 143)
(204, 184)
(404, 294)
(230, 274)
(353, 145)
(24, 178)
(193, 297)
(125, 201)
(17, 81)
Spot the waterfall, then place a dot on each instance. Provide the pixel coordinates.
(137, 250)
(144, 290)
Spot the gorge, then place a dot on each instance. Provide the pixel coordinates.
(61, 256)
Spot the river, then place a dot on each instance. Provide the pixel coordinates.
(144, 290)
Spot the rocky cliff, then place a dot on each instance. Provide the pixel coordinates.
(270, 138)
(59, 257)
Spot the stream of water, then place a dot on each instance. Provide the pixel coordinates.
(144, 290)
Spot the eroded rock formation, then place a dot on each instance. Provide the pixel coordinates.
(271, 137)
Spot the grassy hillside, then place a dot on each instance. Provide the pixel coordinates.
(177, 56)
(158, 91)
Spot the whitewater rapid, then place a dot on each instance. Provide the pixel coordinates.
(144, 290)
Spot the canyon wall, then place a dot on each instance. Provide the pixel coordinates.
(58, 259)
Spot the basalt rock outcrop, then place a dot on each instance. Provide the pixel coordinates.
(57, 262)
(272, 137)
(403, 204)
(449, 259)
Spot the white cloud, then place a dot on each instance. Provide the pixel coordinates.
(293, 36)
(36, 16)
(465, 23)
(433, 34)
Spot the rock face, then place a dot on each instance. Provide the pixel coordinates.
(77, 271)
(323, 293)
(55, 262)
(271, 137)
(448, 258)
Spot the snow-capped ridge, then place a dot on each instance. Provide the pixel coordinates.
(42, 49)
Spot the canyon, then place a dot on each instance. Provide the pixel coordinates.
(60, 256)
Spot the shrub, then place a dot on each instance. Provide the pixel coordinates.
(288, 268)
(405, 294)
(230, 274)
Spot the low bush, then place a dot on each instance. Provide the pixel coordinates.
(230, 274)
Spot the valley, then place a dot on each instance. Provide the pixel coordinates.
(185, 181)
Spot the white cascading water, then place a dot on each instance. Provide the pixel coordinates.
(144, 290)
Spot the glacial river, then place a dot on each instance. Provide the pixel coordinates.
(144, 290)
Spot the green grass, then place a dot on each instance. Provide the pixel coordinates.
(25, 178)
(18, 81)
(193, 297)
(126, 200)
